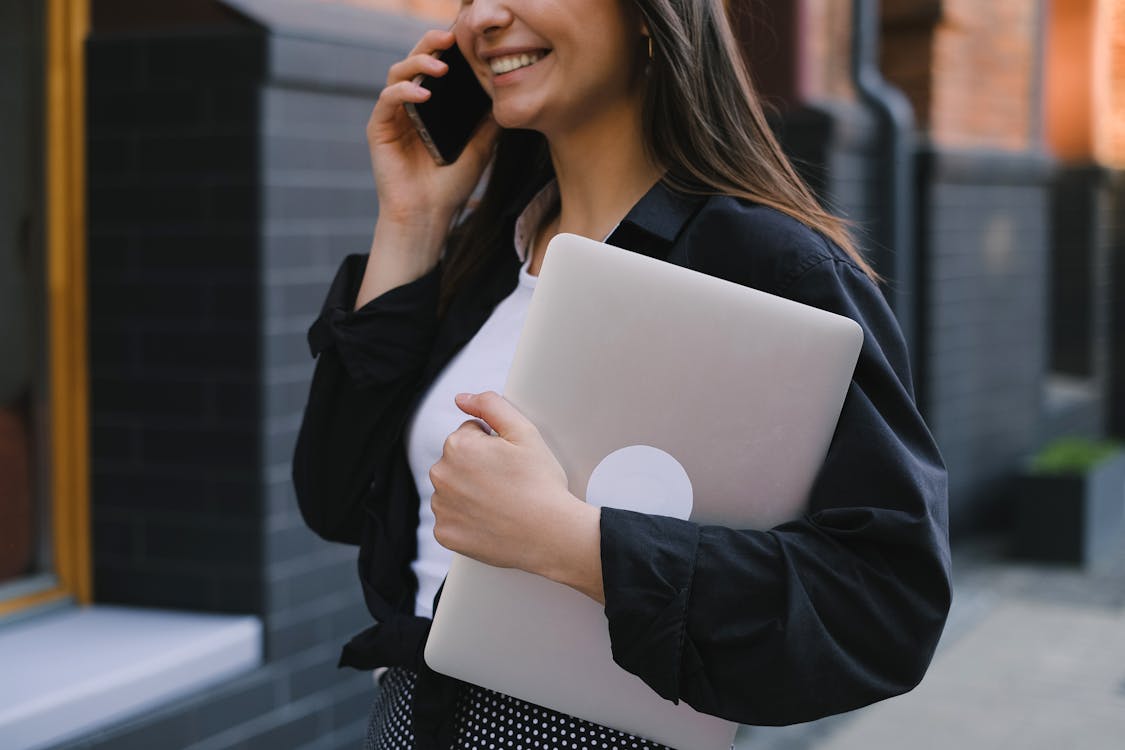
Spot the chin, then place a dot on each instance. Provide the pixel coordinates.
(510, 120)
(515, 117)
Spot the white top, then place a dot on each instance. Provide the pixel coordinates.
(480, 366)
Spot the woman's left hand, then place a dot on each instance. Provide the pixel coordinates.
(503, 499)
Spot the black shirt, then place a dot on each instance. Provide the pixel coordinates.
(824, 614)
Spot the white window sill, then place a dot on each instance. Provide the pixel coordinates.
(70, 672)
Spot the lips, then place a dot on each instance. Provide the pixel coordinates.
(506, 61)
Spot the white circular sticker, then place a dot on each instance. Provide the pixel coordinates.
(641, 478)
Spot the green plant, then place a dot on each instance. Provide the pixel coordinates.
(1073, 455)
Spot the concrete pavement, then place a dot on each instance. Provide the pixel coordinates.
(1033, 657)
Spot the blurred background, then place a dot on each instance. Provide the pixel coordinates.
(181, 179)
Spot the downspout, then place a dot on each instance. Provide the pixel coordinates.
(894, 251)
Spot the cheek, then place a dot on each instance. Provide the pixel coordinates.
(466, 45)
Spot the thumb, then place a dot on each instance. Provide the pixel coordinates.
(498, 412)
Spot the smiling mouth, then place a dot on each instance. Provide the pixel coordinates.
(508, 63)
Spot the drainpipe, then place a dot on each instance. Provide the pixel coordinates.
(894, 254)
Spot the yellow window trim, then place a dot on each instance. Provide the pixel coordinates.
(68, 22)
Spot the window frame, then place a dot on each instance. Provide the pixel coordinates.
(67, 25)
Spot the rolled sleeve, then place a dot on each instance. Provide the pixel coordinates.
(648, 563)
(388, 336)
(368, 364)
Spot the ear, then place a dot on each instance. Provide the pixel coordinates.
(636, 11)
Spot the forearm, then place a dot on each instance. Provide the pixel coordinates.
(402, 250)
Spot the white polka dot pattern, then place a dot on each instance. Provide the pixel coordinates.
(487, 720)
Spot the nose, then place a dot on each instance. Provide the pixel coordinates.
(485, 17)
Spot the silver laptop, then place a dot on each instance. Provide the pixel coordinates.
(663, 390)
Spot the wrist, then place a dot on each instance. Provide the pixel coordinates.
(572, 551)
(416, 240)
(412, 220)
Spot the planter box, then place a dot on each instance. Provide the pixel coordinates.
(1072, 518)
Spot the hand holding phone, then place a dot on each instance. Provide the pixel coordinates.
(456, 107)
(413, 190)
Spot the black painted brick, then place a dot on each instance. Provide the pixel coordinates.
(212, 154)
(114, 64)
(212, 447)
(111, 158)
(116, 539)
(179, 540)
(147, 300)
(124, 206)
(111, 346)
(177, 337)
(128, 584)
(233, 203)
(233, 105)
(194, 61)
(221, 351)
(141, 396)
(114, 443)
(194, 492)
(233, 300)
(233, 400)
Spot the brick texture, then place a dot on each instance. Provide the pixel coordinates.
(1110, 110)
(983, 250)
(968, 69)
(828, 30)
(228, 176)
(442, 10)
(173, 313)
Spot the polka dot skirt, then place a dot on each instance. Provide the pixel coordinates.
(487, 720)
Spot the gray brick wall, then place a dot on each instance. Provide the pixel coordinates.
(1079, 280)
(983, 249)
(228, 176)
(832, 146)
(1115, 219)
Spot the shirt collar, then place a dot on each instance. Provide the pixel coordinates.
(529, 220)
(650, 228)
(656, 220)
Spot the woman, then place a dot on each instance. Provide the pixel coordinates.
(632, 122)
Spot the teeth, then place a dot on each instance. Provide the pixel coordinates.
(509, 63)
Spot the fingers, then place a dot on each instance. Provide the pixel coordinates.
(432, 41)
(497, 411)
(383, 124)
(401, 87)
(414, 66)
(403, 91)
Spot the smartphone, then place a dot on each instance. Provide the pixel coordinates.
(447, 120)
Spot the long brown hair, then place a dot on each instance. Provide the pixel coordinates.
(704, 125)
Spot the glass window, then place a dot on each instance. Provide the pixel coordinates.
(25, 552)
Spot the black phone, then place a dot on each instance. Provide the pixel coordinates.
(447, 120)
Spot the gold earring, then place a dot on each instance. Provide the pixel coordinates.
(650, 48)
